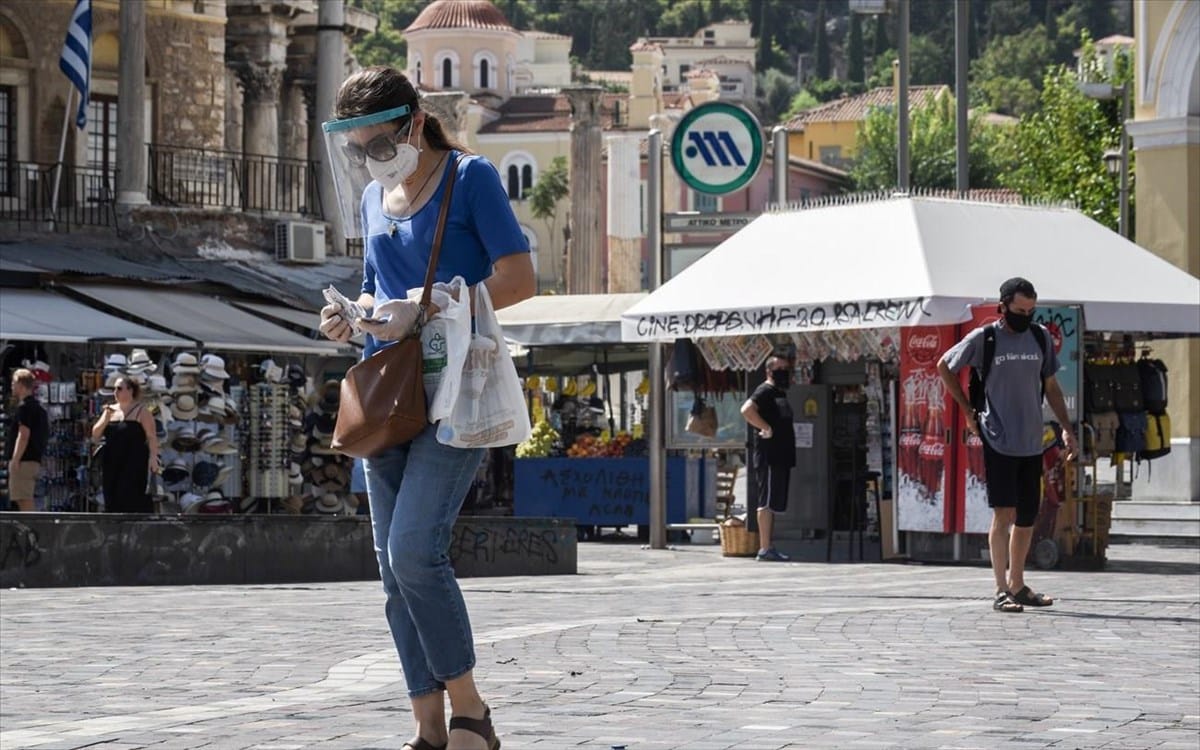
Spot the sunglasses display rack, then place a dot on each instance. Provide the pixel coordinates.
(267, 451)
(61, 484)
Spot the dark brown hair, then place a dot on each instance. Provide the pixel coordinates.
(135, 390)
(380, 87)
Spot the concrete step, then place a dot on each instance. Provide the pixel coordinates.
(1135, 510)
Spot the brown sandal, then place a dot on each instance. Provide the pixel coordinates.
(421, 743)
(482, 727)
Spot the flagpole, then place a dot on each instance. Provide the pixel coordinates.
(62, 150)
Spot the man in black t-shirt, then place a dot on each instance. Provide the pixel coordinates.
(29, 430)
(774, 452)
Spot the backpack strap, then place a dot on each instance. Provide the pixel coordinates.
(989, 352)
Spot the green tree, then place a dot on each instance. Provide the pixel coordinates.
(927, 65)
(778, 90)
(854, 51)
(552, 186)
(1009, 73)
(1056, 152)
(822, 43)
(800, 102)
(880, 44)
(932, 151)
(386, 45)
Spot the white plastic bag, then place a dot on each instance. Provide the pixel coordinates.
(490, 411)
(444, 341)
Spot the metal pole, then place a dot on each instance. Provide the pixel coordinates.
(656, 411)
(131, 108)
(1123, 225)
(902, 158)
(962, 14)
(62, 152)
(780, 142)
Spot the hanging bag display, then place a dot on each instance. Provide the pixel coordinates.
(490, 411)
(382, 398)
(1153, 374)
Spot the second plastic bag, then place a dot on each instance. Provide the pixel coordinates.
(490, 411)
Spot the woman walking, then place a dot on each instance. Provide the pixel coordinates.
(392, 161)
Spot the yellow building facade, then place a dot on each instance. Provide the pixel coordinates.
(1166, 141)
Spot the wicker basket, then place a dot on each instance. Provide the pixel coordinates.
(738, 541)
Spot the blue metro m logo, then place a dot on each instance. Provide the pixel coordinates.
(714, 147)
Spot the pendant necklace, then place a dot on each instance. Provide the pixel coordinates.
(432, 172)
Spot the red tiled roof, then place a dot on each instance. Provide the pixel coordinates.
(460, 14)
(855, 108)
(548, 114)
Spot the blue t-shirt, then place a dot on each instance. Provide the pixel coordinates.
(480, 229)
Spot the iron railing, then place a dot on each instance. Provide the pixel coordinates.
(207, 178)
(178, 177)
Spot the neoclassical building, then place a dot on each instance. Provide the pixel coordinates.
(1166, 141)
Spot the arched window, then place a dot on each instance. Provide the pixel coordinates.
(519, 169)
(483, 74)
(418, 72)
(514, 183)
(447, 73)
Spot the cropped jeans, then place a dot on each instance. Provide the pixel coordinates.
(415, 491)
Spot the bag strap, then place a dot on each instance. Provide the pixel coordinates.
(431, 269)
(989, 353)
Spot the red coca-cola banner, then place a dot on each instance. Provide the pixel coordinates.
(925, 459)
(975, 516)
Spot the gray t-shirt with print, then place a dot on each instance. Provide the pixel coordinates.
(1012, 421)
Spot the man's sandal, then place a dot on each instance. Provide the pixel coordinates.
(481, 727)
(1004, 602)
(421, 743)
(1027, 597)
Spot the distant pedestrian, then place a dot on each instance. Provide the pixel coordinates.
(130, 450)
(774, 453)
(29, 430)
(1010, 425)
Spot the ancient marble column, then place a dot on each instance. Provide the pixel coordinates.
(131, 107)
(584, 249)
(624, 215)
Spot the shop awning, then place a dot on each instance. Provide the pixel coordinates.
(37, 315)
(913, 261)
(213, 323)
(567, 319)
(304, 318)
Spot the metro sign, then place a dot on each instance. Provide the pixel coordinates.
(717, 148)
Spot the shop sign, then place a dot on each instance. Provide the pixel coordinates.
(717, 148)
(692, 223)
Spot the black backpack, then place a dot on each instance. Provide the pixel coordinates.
(1153, 376)
(977, 394)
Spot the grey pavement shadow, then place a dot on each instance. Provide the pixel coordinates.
(1151, 568)
(1044, 612)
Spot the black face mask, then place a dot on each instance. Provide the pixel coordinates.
(781, 378)
(1016, 322)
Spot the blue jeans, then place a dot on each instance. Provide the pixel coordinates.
(416, 491)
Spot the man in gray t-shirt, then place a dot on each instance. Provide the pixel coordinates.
(1010, 426)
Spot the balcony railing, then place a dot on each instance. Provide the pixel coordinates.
(177, 177)
(205, 178)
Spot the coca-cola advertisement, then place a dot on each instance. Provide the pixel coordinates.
(924, 457)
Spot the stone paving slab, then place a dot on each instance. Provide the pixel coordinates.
(651, 650)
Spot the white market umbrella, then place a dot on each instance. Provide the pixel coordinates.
(913, 261)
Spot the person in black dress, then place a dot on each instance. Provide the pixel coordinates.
(130, 450)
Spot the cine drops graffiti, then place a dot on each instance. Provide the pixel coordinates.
(787, 318)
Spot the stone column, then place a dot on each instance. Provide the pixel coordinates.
(450, 107)
(584, 251)
(261, 84)
(131, 107)
(331, 67)
(624, 215)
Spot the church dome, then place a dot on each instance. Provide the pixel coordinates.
(461, 14)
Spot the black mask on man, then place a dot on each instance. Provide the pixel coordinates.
(1016, 322)
(782, 378)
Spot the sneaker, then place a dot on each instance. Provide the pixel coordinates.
(771, 555)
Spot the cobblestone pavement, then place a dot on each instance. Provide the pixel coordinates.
(644, 649)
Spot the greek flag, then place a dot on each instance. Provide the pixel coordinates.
(76, 58)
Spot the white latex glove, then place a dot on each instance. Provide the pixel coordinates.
(334, 325)
(396, 319)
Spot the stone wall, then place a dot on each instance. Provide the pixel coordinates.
(112, 549)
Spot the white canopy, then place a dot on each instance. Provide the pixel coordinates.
(562, 319)
(913, 261)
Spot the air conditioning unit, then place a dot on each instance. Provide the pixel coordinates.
(300, 242)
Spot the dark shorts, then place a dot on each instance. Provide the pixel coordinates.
(772, 484)
(1014, 482)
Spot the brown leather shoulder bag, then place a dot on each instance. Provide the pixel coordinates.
(382, 399)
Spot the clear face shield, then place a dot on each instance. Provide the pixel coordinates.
(378, 147)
